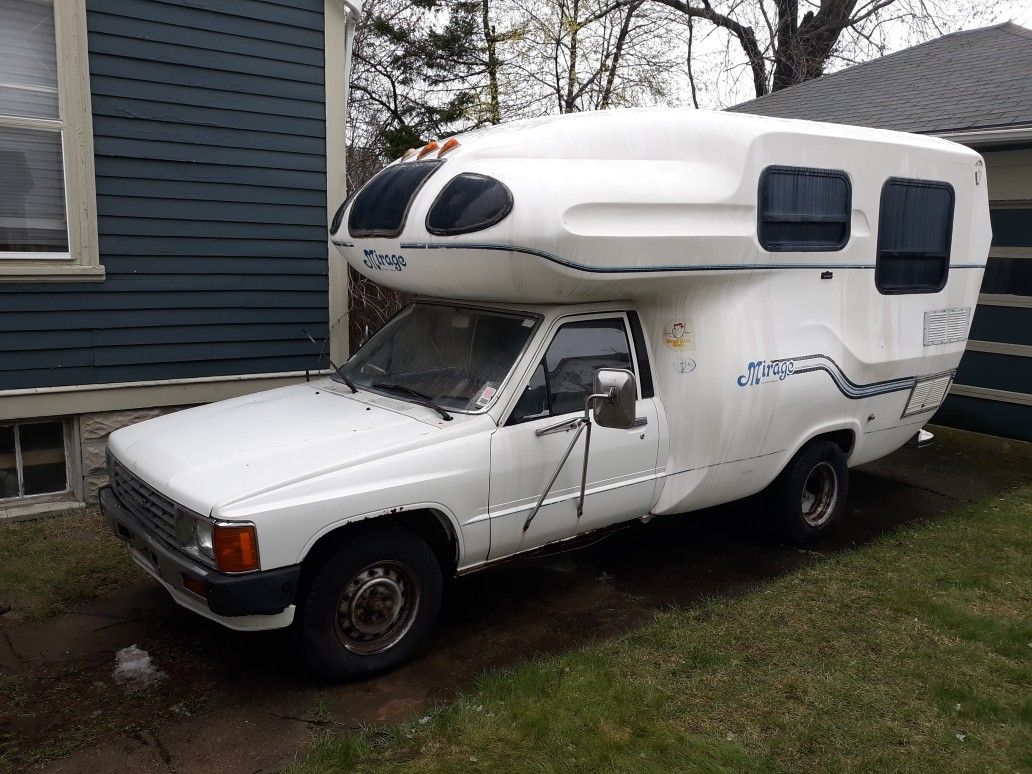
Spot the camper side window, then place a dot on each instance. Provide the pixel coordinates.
(915, 227)
(803, 210)
(566, 375)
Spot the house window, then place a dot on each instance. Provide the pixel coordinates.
(33, 459)
(47, 189)
(915, 227)
(803, 210)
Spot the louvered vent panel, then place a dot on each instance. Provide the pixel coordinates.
(928, 394)
(942, 326)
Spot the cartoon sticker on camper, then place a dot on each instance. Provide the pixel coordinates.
(534, 393)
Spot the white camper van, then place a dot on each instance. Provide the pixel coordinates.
(618, 315)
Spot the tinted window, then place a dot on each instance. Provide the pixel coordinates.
(468, 203)
(803, 209)
(382, 204)
(915, 224)
(566, 375)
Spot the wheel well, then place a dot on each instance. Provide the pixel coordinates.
(430, 525)
(844, 439)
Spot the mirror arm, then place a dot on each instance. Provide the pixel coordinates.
(581, 424)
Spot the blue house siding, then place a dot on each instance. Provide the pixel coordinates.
(210, 148)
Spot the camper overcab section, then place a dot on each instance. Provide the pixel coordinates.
(618, 315)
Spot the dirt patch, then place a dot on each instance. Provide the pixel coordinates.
(242, 702)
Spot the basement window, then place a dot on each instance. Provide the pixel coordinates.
(33, 459)
(803, 210)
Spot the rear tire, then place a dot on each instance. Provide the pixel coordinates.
(809, 495)
(371, 604)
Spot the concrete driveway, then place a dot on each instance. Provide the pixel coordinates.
(232, 702)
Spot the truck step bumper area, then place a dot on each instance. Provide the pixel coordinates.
(252, 601)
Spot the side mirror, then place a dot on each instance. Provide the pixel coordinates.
(618, 393)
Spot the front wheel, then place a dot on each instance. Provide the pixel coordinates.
(809, 495)
(371, 604)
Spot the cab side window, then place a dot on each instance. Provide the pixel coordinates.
(565, 377)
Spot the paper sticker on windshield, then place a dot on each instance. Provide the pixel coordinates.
(486, 394)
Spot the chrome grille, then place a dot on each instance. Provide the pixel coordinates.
(148, 505)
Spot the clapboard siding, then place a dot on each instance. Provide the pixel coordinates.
(209, 135)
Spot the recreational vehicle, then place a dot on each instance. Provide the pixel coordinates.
(618, 315)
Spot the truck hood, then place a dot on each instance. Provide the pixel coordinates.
(221, 453)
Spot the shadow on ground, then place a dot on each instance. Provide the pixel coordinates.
(236, 702)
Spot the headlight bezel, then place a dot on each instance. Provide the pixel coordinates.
(198, 537)
(195, 535)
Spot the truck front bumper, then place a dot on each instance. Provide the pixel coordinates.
(251, 601)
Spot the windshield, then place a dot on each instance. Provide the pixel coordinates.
(455, 356)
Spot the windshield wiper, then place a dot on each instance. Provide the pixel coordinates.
(344, 377)
(338, 368)
(419, 397)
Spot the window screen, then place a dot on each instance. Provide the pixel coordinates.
(32, 195)
(915, 225)
(803, 210)
(566, 375)
(469, 202)
(382, 204)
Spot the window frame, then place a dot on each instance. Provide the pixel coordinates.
(542, 351)
(67, 440)
(75, 125)
(803, 247)
(916, 183)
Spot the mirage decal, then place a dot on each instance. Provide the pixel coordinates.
(766, 371)
(762, 371)
(383, 261)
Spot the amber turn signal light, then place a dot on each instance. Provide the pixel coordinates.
(196, 585)
(449, 145)
(430, 147)
(236, 547)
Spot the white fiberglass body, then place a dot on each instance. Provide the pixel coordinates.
(638, 218)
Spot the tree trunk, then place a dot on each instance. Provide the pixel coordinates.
(491, 40)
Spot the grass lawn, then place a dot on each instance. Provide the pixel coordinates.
(910, 655)
(49, 565)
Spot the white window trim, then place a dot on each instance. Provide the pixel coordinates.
(76, 126)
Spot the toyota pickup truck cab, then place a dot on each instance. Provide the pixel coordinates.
(618, 315)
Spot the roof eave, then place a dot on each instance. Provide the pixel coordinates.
(1008, 136)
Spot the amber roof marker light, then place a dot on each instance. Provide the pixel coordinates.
(430, 147)
(449, 145)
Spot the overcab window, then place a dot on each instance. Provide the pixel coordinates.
(915, 226)
(803, 210)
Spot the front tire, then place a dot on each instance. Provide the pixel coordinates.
(371, 604)
(809, 495)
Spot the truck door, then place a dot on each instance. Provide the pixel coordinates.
(527, 447)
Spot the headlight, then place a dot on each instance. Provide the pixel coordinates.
(228, 546)
(195, 535)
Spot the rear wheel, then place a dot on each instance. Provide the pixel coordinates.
(809, 495)
(371, 604)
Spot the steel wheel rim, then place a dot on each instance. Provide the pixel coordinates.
(377, 607)
(820, 494)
